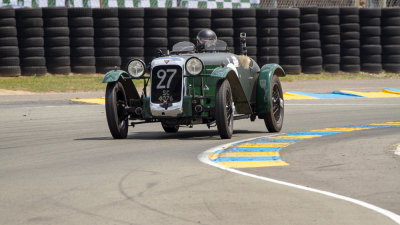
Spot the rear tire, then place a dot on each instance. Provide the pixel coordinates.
(274, 118)
(117, 117)
(224, 110)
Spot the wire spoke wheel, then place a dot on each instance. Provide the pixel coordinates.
(117, 116)
(274, 118)
(224, 110)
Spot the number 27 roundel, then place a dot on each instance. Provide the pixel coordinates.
(166, 84)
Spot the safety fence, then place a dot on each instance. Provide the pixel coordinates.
(59, 40)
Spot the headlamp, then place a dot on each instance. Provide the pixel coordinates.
(136, 68)
(194, 66)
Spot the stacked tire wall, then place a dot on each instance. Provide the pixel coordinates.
(329, 21)
(391, 40)
(31, 41)
(178, 26)
(198, 19)
(310, 44)
(222, 25)
(131, 24)
(107, 40)
(350, 40)
(155, 32)
(80, 21)
(245, 22)
(36, 41)
(370, 40)
(268, 39)
(289, 40)
(56, 40)
(9, 52)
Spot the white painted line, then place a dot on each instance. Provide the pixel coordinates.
(203, 157)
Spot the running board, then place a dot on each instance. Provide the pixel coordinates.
(239, 117)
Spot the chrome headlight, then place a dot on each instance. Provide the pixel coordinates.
(194, 66)
(136, 68)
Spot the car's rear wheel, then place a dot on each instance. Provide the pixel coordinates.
(117, 116)
(170, 128)
(224, 110)
(274, 118)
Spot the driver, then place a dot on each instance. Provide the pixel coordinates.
(205, 37)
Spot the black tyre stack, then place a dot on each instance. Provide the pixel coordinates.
(56, 40)
(370, 40)
(245, 22)
(9, 52)
(80, 22)
(222, 25)
(350, 40)
(391, 39)
(178, 26)
(329, 21)
(268, 39)
(289, 40)
(155, 32)
(310, 44)
(106, 39)
(198, 19)
(31, 41)
(131, 24)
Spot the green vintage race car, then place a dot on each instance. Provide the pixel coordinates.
(192, 85)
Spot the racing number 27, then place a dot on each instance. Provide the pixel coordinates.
(162, 74)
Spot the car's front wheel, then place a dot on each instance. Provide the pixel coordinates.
(224, 110)
(117, 116)
(274, 118)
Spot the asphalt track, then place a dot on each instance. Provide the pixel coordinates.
(59, 165)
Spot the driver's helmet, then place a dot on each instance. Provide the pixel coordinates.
(206, 37)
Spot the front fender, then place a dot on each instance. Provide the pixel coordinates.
(114, 75)
(126, 80)
(242, 106)
(264, 86)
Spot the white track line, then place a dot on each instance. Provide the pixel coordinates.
(203, 157)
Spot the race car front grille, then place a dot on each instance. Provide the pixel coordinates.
(166, 84)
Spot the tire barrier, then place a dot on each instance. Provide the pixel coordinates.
(289, 40)
(329, 21)
(56, 40)
(350, 40)
(9, 52)
(155, 32)
(107, 40)
(267, 36)
(31, 41)
(391, 40)
(222, 25)
(310, 44)
(244, 21)
(178, 26)
(370, 40)
(34, 41)
(198, 20)
(80, 22)
(131, 23)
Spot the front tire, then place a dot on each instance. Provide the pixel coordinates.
(117, 116)
(224, 110)
(274, 118)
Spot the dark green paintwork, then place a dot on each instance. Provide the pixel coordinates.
(114, 75)
(264, 86)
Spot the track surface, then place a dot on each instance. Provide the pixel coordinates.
(59, 165)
